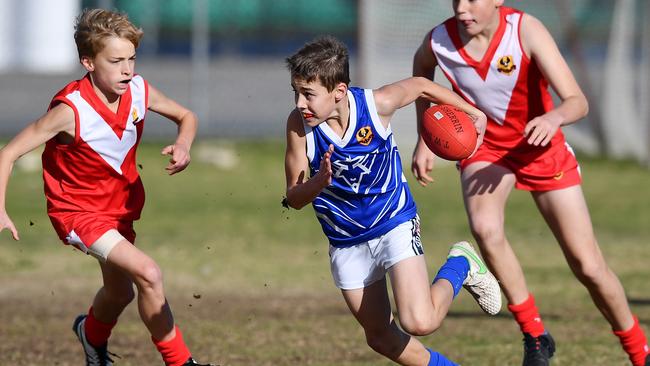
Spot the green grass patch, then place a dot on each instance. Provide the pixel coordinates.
(249, 280)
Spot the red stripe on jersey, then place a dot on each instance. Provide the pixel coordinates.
(482, 67)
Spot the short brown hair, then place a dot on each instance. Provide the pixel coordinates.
(324, 59)
(93, 26)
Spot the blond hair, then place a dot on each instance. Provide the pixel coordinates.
(93, 26)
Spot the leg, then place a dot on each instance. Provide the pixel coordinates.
(486, 188)
(145, 273)
(94, 329)
(567, 215)
(108, 304)
(114, 296)
(360, 272)
(124, 265)
(152, 305)
(371, 307)
(421, 306)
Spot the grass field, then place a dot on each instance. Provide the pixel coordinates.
(249, 281)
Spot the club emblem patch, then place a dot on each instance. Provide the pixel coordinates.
(364, 135)
(505, 65)
(134, 115)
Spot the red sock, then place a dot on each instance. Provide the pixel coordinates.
(97, 333)
(634, 343)
(174, 351)
(527, 316)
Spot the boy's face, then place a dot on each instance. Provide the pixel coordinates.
(314, 102)
(474, 15)
(113, 67)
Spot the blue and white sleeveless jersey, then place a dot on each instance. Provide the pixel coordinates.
(369, 195)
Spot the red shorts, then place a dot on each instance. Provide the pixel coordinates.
(535, 170)
(84, 228)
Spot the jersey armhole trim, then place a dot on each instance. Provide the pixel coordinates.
(62, 99)
(309, 142)
(372, 110)
(145, 86)
(521, 45)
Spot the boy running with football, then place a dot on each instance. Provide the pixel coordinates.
(502, 60)
(342, 158)
(94, 193)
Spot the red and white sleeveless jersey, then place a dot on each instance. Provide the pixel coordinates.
(97, 173)
(506, 85)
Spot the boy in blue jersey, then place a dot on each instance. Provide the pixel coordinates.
(342, 158)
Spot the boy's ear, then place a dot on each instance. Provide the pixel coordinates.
(87, 63)
(340, 91)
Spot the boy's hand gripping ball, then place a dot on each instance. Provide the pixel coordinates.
(448, 132)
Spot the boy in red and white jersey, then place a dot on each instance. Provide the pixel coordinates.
(94, 193)
(502, 61)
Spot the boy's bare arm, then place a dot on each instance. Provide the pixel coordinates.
(58, 119)
(393, 96)
(424, 65)
(187, 122)
(301, 190)
(573, 106)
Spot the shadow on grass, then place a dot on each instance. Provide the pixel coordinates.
(502, 315)
(639, 301)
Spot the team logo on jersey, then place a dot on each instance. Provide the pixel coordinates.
(505, 65)
(364, 135)
(135, 116)
(352, 170)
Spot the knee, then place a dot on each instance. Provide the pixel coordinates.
(420, 326)
(591, 272)
(488, 232)
(149, 276)
(382, 342)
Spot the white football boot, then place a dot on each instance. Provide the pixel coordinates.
(479, 282)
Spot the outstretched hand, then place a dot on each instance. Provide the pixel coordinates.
(5, 223)
(179, 158)
(324, 175)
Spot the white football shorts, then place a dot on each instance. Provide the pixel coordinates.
(365, 263)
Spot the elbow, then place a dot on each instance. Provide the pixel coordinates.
(189, 118)
(585, 108)
(193, 119)
(580, 106)
(297, 207)
(287, 202)
(422, 82)
(3, 155)
(6, 159)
